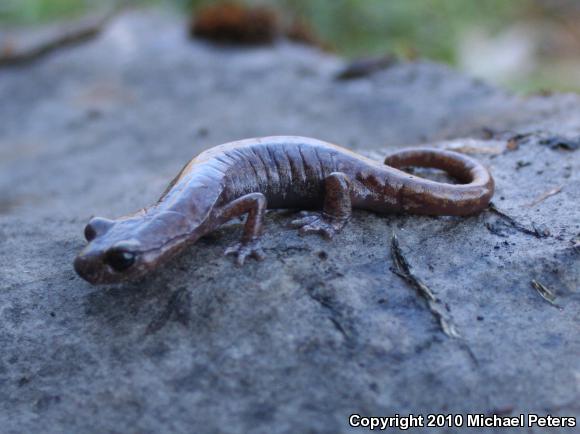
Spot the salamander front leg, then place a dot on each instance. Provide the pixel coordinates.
(254, 204)
(336, 210)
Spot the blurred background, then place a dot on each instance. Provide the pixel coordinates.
(524, 45)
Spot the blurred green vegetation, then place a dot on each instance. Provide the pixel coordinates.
(427, 28)
(423, 28)
(37, 11)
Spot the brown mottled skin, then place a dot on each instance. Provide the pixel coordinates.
(248, 176)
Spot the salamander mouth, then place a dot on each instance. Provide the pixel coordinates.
(100, 273)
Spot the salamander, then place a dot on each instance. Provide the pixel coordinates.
(248, 176)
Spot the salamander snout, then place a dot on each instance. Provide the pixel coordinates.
(86, 266)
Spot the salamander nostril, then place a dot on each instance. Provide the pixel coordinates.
(90, 233)
(120, 259)
(97, 226)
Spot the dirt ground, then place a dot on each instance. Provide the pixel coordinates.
(319, 330)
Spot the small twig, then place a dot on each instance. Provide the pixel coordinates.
(336, 316)
(546, 195)
(513, 142)
(72, 34)
(403, 270)
(178, 307)
(537, 231)
(561, 143)
(483, 150)
(545, 293)
(365, 67)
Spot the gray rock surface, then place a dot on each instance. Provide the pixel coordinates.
(317, 331)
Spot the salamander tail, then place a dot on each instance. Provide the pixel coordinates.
(422, 196)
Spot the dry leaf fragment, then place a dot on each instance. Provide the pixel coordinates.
(546, 195)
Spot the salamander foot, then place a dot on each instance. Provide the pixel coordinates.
(319, 223)
(243, 250)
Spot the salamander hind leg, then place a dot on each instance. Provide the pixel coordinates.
(254, 204)
(336, 211)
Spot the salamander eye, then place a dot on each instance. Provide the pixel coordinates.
(120, 259)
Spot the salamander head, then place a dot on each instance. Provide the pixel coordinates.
(127, 248)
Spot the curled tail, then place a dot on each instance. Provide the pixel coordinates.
(422, 196)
